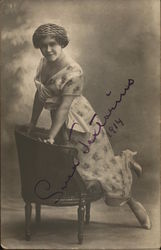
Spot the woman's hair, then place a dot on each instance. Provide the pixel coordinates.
(53, 30)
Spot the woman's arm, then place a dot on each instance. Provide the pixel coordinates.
(36, 111)
(60, 115)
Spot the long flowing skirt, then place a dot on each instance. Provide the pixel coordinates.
(96, 157)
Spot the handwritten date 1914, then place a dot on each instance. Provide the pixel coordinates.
(113, 128)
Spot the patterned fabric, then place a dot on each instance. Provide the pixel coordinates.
(97, 160)
(68, 81)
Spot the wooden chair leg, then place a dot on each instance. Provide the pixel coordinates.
(38, 213)
(88, 206)
(81, 210)
(28, 211)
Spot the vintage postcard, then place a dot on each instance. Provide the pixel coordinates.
(80, 124)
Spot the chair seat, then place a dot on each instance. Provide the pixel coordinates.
(94, 192)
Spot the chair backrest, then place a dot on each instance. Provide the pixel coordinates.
(47, 171)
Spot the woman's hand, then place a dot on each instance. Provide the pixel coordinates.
(49, 140)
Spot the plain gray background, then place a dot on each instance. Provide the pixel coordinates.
(113, 40)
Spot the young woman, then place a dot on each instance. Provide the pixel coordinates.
(59, 82)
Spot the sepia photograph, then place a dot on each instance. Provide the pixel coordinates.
(80, 124)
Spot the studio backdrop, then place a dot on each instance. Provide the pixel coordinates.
(113, 41)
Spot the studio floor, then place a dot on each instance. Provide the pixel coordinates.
(110, 228)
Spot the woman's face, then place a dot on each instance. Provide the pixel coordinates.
(50, 49)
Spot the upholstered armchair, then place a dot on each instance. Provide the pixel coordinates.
(49, 176)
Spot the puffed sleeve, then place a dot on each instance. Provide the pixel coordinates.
(72, 84)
